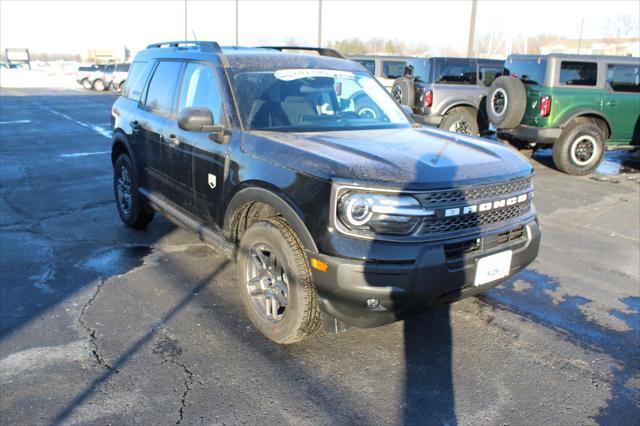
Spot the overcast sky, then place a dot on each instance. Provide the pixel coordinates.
(68, 26)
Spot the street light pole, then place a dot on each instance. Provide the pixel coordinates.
(185, 20)
(237, 22)
(472, 28)
(319, 23)
(580, 38)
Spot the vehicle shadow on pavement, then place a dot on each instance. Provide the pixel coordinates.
(428, 390)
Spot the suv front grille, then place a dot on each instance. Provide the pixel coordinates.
(467, 195)
(454, 224)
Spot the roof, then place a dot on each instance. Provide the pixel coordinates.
(243, 57)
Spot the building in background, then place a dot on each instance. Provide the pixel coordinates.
(105, 56)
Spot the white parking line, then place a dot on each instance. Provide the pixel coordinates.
(100, 130)
(16, 122)
(84, 154)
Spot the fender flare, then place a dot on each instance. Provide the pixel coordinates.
(566, 119)
(119, 138)
(457, 105)
(277, 202)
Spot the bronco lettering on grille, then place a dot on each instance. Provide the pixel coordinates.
(484, 207)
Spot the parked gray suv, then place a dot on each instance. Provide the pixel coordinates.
(448, 92)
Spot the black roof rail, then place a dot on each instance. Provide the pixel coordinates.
(210, 46)
(322, 51)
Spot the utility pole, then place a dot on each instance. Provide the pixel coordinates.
(319, 23)
(580, 38)
(472, 28)
(185, 20)
(237, 1)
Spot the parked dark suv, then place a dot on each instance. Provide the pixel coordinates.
(448, 92)
(332, 217)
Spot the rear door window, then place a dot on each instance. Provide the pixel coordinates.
(163, 86)
(529, 71)
(200, 88)
(369, 64)
(624, 78)
(457, 71)
(419, 69)
(136, 80)
(393, 69)
(578, 73)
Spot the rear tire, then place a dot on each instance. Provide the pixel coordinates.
(133, 209)
(365, 108)
(403, 91)
(461, 120)
(580, 148)
(276, 284)
(506, 102)
(99, 85)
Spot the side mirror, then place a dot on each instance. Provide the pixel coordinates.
(196, 119)
(200, 119)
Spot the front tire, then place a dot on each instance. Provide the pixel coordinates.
(275, 282)
(133, 209)
(99, 85)
(86, 84)
(580, 148)
(461, 120)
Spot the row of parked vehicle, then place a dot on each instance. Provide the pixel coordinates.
(103, 77)
(579, 105)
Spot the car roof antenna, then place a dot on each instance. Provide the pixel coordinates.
(194, 35)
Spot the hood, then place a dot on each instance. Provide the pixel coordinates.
(408, 158)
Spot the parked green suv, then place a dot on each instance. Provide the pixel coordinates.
(580, 104)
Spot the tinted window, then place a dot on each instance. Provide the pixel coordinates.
(456, 71)
(200, 88)
(624, 78)
(488, 73)
(529, 71)
(122, 67)
(393, 69)
(369, 64)
(163, 86)
(137, 78)
(578, 73)
(419, 69)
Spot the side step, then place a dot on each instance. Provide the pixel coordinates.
(613, 147)
(186, 221)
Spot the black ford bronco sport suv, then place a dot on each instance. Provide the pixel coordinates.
(332, 217)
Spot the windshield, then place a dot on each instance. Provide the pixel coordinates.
(313, 100)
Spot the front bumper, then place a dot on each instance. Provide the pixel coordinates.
(405, 288)
(542, 135)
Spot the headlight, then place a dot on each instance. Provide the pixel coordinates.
(371, 213)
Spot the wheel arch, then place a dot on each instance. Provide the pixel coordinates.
(257, 200)
(460, 104)
(120, 145)
(603, 122)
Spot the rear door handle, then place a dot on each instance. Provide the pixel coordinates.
(135, 126)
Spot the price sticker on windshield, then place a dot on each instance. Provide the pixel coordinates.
(295, 74)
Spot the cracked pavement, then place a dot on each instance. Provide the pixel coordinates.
(101, 324)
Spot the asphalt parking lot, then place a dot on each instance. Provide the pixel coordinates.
(101, 324)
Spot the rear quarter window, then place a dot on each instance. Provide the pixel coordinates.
(369, 64)
(624, 78)
(393, 69)
(456, 71)
(578, 73)
(136, 80)
(529, 71)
